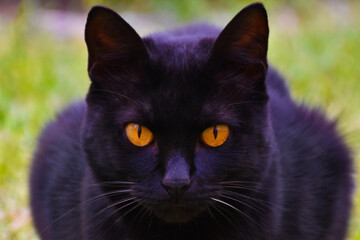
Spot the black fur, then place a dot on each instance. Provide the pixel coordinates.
(284, 172)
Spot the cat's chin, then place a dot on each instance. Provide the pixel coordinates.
(174, 213)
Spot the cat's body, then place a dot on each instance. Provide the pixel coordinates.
(283, 173)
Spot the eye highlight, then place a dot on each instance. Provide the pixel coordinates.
(138, 135)
(216, 135)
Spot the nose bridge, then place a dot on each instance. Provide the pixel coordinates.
(177, 169)
(177, 176)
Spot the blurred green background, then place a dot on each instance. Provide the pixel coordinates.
(314, 44)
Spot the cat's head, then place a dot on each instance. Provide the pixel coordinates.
(179, 117)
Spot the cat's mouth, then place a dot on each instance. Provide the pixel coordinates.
(176, 213)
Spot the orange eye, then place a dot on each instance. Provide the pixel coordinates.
(215, 136)
(138, 135)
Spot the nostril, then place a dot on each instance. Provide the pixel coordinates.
(176, 184)
(176, 187)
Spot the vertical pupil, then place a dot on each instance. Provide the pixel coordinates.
(139, 131)
(215, 131)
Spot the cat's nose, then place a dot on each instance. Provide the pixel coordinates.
(177, 176)
(176, 187)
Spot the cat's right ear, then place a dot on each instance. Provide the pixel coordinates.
(245, 37)
(241, 48)
(111, 40)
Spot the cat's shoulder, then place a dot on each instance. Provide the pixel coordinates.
(276, 84)
(58, 162)
(64, 130)
(299, 122)
(69, 118)
(59, 143)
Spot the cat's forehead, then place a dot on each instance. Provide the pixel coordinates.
(179, 52)
(180, 84)
(186, 101)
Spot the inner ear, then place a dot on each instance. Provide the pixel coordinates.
(245, 38)
(109, 37)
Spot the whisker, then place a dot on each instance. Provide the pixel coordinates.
(80, 205)
(142, 210)
(256, 209)
(234, 208)
(231, 222)
(113, 205)
(147, 208)
(263, 202)
(116, 183)
(151, 218)
(112, 183)
(129, 211)
(208, 210)
(243, 188)
(247, 186)
(118, 219)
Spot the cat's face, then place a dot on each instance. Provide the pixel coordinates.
(168, 91)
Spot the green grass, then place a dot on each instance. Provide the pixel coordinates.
(39, 75)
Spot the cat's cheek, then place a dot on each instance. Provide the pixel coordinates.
(207, 161)
(143, 161)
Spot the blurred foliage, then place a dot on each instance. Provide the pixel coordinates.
(189, 9)
(314, 44)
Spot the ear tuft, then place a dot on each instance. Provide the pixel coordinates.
(108, 35)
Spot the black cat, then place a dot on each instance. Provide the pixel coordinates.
(188, 134)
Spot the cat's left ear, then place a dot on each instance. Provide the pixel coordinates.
(242, 45)
(111, 40)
